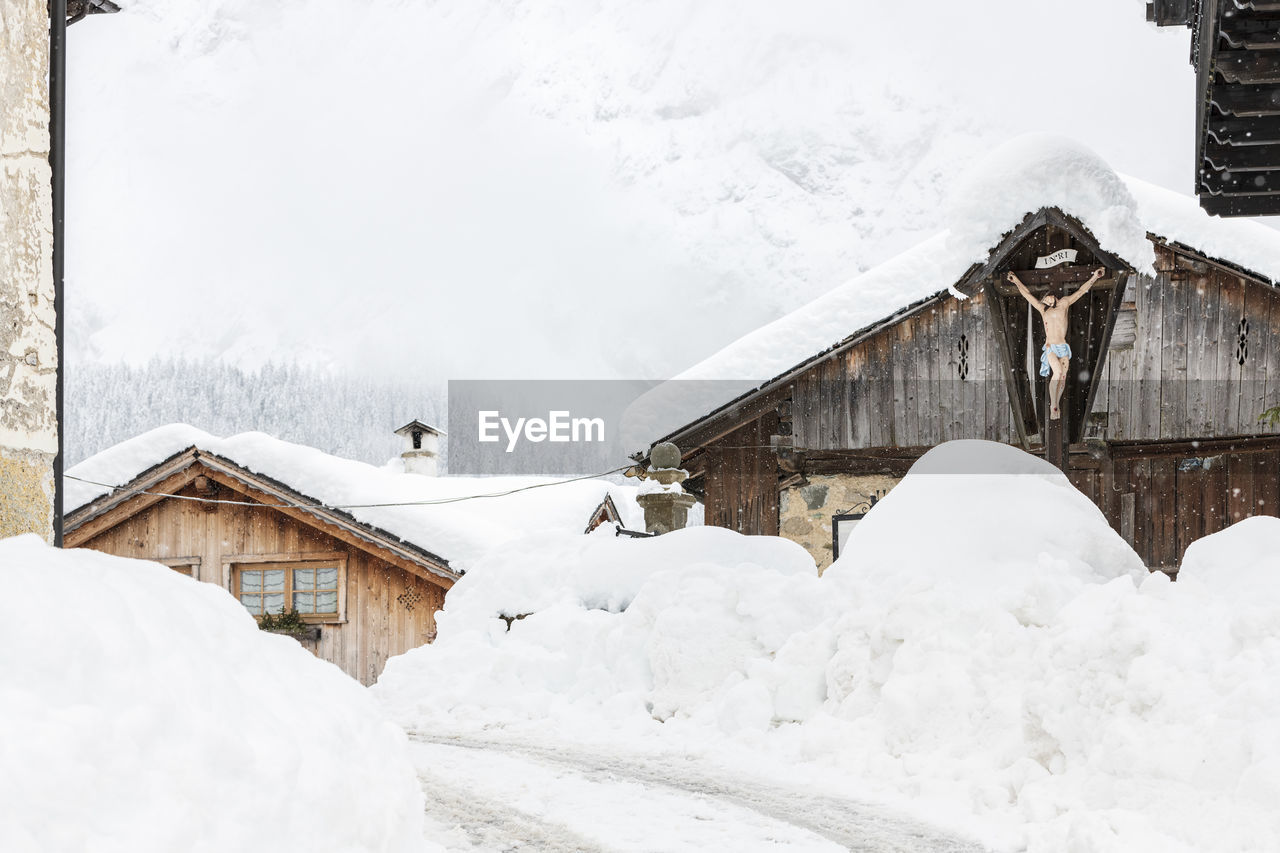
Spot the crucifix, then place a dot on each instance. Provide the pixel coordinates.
(1055, 276)
(1055, 357)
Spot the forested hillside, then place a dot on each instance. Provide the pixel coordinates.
(343, 414)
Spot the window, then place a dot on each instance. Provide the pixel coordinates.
(309, 588)
(189, 566)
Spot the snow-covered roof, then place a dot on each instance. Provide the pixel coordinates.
(460, 531)
(1023, 176)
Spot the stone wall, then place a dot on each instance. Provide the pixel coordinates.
(28, 349)
(805, 509)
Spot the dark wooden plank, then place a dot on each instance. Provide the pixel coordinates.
(1248, 67)
(1243, 133)
(1214, 499)
(1245, 101)
(1235, 158)
(1164, 512)
(1258, 205)
(1144, 518)
(1239, 184)
(1266, 483)
(1240, 503)
(1190, 488)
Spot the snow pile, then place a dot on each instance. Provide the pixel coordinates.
(143, 711)
(1041, 170)
(601, 624)
(986, 641)
(459, 531)
(1245, 558)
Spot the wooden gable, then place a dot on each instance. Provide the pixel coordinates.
(203, 522)
(1040, 236)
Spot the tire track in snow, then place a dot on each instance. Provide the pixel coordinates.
(857, 826)
(491, 825)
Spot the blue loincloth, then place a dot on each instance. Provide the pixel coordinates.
(1060, 350)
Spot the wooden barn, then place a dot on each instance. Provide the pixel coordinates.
(1169, 374)
(364, 555)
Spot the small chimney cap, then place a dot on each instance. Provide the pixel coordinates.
(419, 425)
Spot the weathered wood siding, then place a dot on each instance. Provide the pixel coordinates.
(933, 377)
(741, 479)
(1183, 377)
(1162, 502)
(388, 610)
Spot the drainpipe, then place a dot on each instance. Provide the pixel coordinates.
(57, 165)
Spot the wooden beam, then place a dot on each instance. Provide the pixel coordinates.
(1246, 101)
(1248, 67)
(1251, 39)
(1257, 205)
(1169, 13)
(1196, 447)
(1047, 284)
(1254, 158)
(1244, 132)
(1241, 184)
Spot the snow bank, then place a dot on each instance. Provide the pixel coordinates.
(986, 642)
(1039, 170)
(1244, 557)
(460, 531)
(140, 711)
(601, 624)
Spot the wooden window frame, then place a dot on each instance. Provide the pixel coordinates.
(288, 562)
(179, 563)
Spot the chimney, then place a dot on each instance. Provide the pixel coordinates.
(421, 447)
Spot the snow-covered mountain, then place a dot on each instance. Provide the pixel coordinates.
(501, 188)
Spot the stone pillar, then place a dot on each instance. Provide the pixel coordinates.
(28, 344)
(665, 511)
(665, 502)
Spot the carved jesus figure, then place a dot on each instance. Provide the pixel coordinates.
(1055, 358)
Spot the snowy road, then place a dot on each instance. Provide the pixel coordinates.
(508, 795)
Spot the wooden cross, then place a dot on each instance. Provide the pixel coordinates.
(1054, 280)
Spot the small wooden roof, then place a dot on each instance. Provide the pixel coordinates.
(419, 425)
(605, 513)
(163, 481)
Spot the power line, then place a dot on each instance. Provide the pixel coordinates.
(434, 502)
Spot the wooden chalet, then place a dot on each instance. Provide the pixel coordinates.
(1161, 416)
(1234, 50)
(366, 594)
(363, 553)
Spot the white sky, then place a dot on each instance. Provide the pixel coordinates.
(503, 189)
